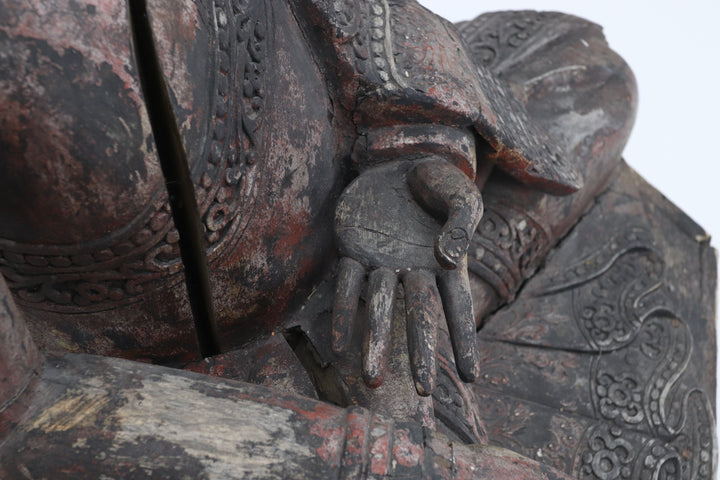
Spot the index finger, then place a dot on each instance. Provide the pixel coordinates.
(454, 287)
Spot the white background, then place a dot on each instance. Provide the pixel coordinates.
(674, 50)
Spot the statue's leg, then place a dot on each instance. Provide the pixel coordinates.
(597, 364)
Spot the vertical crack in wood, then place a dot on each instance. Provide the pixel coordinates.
(178, 181)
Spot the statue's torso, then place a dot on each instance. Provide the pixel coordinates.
(88, 240)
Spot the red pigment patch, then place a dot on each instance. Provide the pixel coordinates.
(407, 453)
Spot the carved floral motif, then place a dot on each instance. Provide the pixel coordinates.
(507, 247)
(492, 41)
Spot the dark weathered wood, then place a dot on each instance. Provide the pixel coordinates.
(333, 154)
(585, 95)
(89, 247)
(415, 217)
(382, 283)
(441, 189)
(94, 417)
(20, 362)
(349, 284)
(101, 265)
(605, 344)
(454, 287)
(398, 63)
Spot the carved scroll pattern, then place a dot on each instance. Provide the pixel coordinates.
(367, 24)
(456, 406)
(638, 390)
(609, 311)
(652, 424)
(499, 35)
(117, 270)
(127, 264)
(611, 452)
(643, 391)
(648, 418)
(225, 187)
(507, 247)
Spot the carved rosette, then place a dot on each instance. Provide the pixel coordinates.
(613, 343)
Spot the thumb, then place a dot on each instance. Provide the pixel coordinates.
(446, 192)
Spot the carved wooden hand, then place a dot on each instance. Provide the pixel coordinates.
(408, 222)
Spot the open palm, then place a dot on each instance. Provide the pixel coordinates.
(409, 223)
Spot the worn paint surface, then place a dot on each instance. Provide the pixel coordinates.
(20, 362)
(256, 122)
(278, 106)
(87, 243)
(103, 417)
(607, 340)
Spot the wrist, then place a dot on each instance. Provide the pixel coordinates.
(409, 142)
